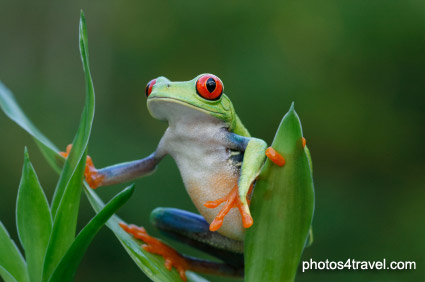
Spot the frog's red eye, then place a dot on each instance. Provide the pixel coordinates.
(149, 86)
(209, 87)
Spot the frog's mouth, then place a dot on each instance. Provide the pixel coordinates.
(162, 111)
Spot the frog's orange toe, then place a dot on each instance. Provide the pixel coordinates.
(216, 224)
(66, 153)
(304, 142)
(247, 220)
(231, 201)
(154, 246)
(132, 229)
(92, 177)
(214, 204)
(275, 157)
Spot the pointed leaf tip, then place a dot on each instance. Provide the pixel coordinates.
(26, 155)
(33, 219)
(292, 108)
(131, 188)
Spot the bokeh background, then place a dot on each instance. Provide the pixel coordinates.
(355, 69)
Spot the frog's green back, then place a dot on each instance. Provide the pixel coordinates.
(239, 128)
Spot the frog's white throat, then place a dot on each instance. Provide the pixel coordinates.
(177, 112)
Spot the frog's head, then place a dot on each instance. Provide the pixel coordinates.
(172, 101)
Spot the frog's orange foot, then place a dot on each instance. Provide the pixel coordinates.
(275, 157)
(303, 141)
(231, 201)
(66, 153)
(93, 178)
(154, 246)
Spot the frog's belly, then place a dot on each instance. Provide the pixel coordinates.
(208, 179)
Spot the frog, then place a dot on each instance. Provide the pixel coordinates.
(219, 162)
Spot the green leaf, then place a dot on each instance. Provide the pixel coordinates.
(67, 194)
(11, 260)
(7, 277)
(282, 208)
(82, 137)
(11, 108)
(69, 263)
(33, 219)
(151, 265)
(64, 224)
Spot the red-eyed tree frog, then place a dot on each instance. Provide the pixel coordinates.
(218, 161)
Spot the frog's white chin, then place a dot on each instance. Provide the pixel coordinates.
(169, 109)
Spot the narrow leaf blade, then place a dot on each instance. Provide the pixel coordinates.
(282, 207)
(69, 263)
(34, 220)
(11, 108)
(64, 224)
(151, 265)
(82, 137)
(67, 194)
(11, 259)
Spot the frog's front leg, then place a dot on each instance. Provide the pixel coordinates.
(254, 156)
(119, 173)
(127, 171)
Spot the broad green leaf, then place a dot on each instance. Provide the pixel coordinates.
(282, 208)
(11, 260)
(69, 263)
(7, 277)
(151, 265)
(67, 194)
(33, 220)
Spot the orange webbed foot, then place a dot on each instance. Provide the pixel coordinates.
(93, 178)
(154, 246)
(231, 201)
(275, 157)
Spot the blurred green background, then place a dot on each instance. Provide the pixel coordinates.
(355, 69)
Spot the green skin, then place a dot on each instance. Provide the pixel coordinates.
(213, 151)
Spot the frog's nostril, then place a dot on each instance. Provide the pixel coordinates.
(168, 85)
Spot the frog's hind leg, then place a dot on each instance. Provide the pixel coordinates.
(191, 229)
(153, 245)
